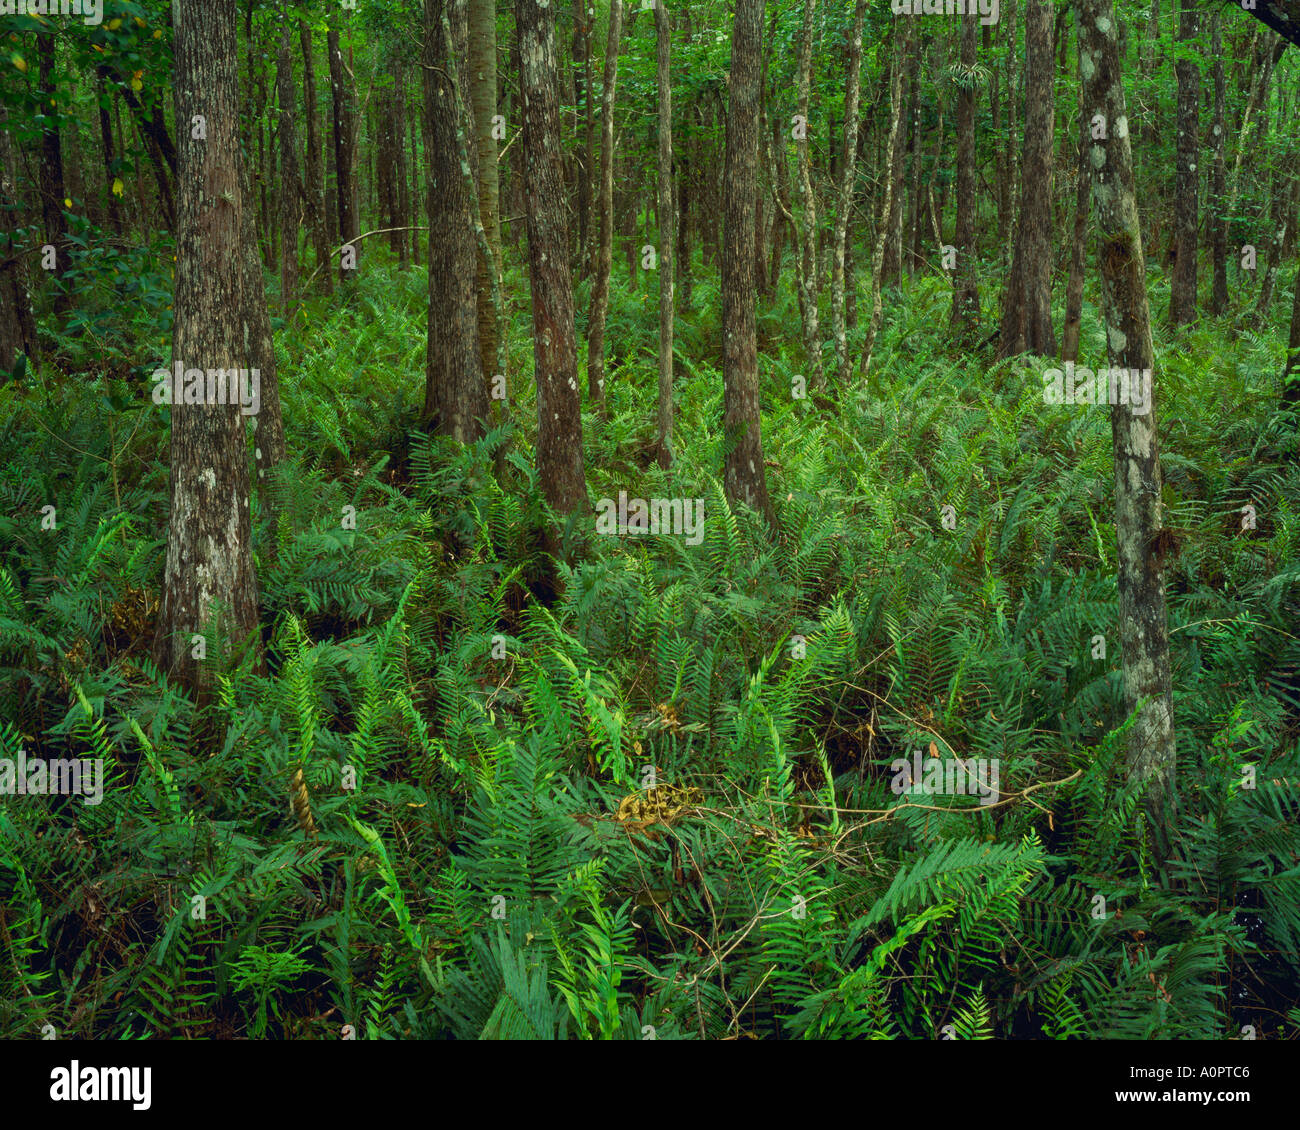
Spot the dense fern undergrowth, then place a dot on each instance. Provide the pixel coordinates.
(429, 814)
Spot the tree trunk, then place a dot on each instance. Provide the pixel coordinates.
(581, 47)
(315, 186)
(745, 475)
(483, 95)
(1079, 245)
(1218, 188)
(54, 226)
(1281, 216)
(1027, 299)
(965, 294)
(290, 189)
(1143, 622)
(1182, 291)
(560, 465)
(848, 182)
(345, 116)
(455, 399)
(667, 235)
(17, 324)
(112, 166)
(808, 273)
(1291, 373)
(209, 586)
(893, 159)
(604, 257)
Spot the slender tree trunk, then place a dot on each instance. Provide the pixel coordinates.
(406, 215)
(111, 166)
(1257, 100)
(892, 268)
(1027, 299)
(1291, 373)
(808, 273)
(745, 474)
(1218, 188)
(1079, 245)
(848, 182)
(581, 48)
(1182, 293)
(902, 45)
(560, 464)
(667, 235)
(604, 258)
(54, 225)
(345, 117)
(1143, 621)
(965, 294)
(290, 189)
(315, 185)
(1282, 216)
(209, 586)
(17, 323)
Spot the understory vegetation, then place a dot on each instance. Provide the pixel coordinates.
(643, 789)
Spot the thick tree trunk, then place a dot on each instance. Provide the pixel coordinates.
(1182, 292)
(209, 564)
(1144, 628)
(808, 273)
(840, 277)
(483, 95)
(745, 475)
(965, 294)
(1027, 299)
(560, 465)
(455, 399)
(605, 252)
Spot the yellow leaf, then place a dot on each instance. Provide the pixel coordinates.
(158, 34)
(137, 85)
(113, 25)
(139, 22)
(117, 186)
(67, 203)
(19, 62)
